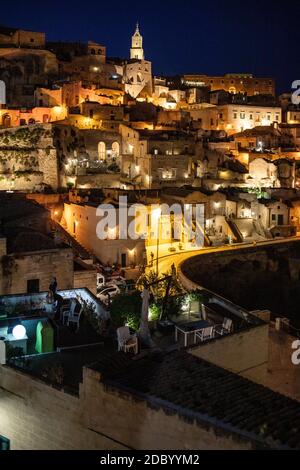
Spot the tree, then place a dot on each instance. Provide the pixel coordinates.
(126, 309)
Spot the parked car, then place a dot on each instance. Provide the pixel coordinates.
(100, 281)
(117, 280)
(106, 294)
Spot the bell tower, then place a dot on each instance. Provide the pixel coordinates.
(137, 51)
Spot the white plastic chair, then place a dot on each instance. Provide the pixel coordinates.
(204, 334)
(126, 341)
(68, 310)
(74, 317)
(225, 328)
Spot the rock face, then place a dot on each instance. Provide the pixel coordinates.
(255, 278)
(22, 70)
(34, 157)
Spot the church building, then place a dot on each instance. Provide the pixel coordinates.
(138, 71)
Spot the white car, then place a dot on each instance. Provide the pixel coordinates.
(116, 281)
(100, 281)
(107, 293)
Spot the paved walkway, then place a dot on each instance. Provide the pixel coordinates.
(166, 260)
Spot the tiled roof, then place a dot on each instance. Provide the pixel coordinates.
(258, 131)
(198, 390)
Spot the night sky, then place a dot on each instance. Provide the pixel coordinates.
(192, 36)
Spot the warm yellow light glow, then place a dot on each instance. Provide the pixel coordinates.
(157, 212)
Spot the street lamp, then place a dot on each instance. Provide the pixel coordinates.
(157, 213)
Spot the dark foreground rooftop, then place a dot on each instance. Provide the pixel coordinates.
(197, 390)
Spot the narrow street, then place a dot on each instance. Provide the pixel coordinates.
(166, 261)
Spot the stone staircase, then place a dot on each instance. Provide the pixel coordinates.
(78, 249)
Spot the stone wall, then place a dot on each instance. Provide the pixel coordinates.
(38, 417)
(245, 353)
(138, 425)
(35, 156)
(105, 180)
(28, 158)
(86, 278)
(17, 269)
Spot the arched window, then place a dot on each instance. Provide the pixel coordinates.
(93, 52)
(6, 121)
(115, 149)
(45, 118)
(31, 121)
(102, 151)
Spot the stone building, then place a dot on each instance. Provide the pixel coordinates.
(13, 37)
(233, 83)
(260, 138)
(29, 257)
(160, 401)
(138, 71)
(81, 221)
(263, 173)
(24, 64)
(233, 118)
(164, 158)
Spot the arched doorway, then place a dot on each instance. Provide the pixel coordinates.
(115, 149)
(6, 121)
(102, 151)
(31, 121)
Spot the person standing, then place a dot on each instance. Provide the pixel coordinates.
(53, 286)
(52, 289)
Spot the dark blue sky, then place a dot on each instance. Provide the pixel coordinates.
(192, 36)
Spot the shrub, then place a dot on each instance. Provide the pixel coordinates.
(126, 309)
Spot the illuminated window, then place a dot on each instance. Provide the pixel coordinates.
(115, 149)
(101, 150)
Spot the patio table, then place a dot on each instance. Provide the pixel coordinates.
(190, 328)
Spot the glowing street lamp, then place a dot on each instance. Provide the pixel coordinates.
(157, 215)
